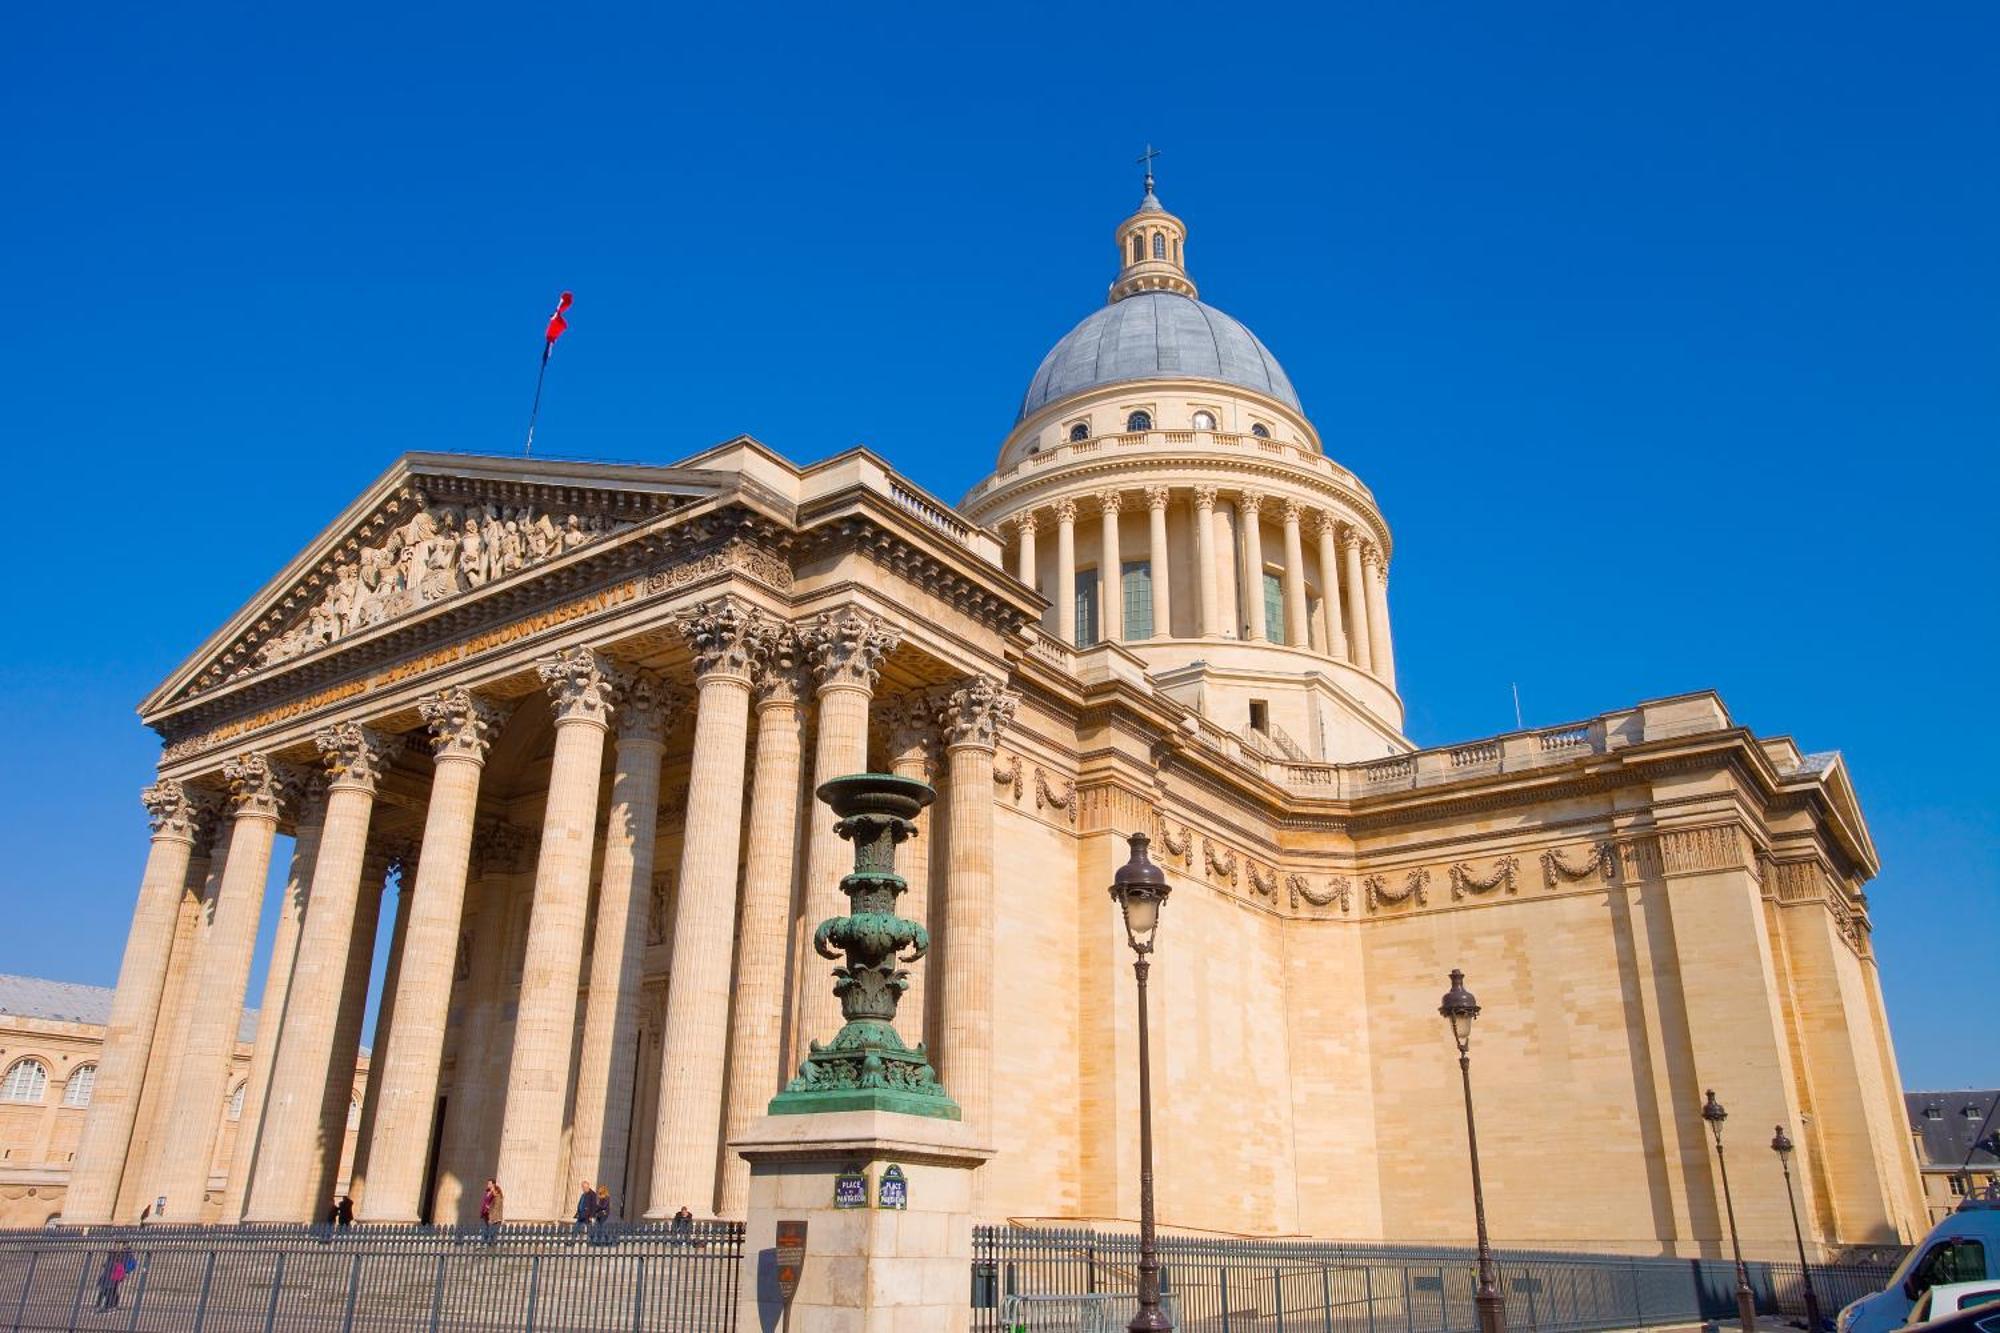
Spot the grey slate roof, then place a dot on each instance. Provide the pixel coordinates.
(1944, 1137)
(73, 1002)
(1156, 335)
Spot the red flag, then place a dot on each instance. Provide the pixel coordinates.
(557, 324)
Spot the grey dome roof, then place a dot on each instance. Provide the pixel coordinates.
(1156, 335)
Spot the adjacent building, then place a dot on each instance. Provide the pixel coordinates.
(1956, 1134)
(578, 711)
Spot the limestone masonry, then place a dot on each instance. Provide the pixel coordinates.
(576, 714)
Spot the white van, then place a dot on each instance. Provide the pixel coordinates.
(1948, 1298)
(1965, 1247)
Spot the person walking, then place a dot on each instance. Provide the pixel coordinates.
(681, 1229)
(343, 1212)
(586, 1209)
(492, 1209)
(601, 1213)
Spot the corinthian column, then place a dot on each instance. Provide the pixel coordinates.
(286, 1187)
(277, 989)
(1025, 524)
(756, 1023)
(605, 1067)
(1110, 572)
(913, 747)
(974, 717)
(1296, 630)
(1377, 579)
(1065, 590)
(845, 650)
(1329, 586)
(686, 1147)
(1210, 625)
(177, 814)
(1249, 508)
(258, 788)
(1357, 605)
(582, 690)
(1157, 498)
(404, 1080)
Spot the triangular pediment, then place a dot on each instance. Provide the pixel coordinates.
(434, 528)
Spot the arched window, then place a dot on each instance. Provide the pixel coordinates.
(1080, 431)
(26, 1081)
(1159, 245)
(1260, 430)
(354, 1113)
(236, 1100)
(1138, 247)
(82, 1081)
(1139, 421)
(1204, 421)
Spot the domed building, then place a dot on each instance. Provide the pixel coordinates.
(547, 735)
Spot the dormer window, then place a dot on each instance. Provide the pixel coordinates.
(1204, 421)
(1079, 432)
(1139, 421)
(1260, 430)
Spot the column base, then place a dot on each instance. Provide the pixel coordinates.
(867, 1268)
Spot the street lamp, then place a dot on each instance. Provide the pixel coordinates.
(1746, 1304)
(1459, 1009)
(1781, 1144)
(1140, 889)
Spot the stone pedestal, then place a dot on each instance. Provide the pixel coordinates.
(867, 1269)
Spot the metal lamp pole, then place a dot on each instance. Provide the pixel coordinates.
(1746, 1303)
(1140, 889)
(1781, 1144)
(1459, 1009)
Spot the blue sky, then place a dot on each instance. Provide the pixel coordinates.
(1667, 339)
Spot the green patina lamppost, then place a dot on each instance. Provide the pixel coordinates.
(1746, 1300)
(866, 1067)
(1459, 1008)
(1781, 1144)
(1140, 888)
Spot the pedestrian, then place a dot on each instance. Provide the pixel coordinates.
(343, 1211)
(601, 1215)
(127, 1263)
(681, 1229)
(105, 1279)
(492, 1206)
(586, 1209)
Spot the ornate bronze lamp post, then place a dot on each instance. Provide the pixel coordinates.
(1781, 1144)
(1141, 889)
(1459, 1009)
(1746, 1303)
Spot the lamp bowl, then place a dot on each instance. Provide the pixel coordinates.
(876, 794)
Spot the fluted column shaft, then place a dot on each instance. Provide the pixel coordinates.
(1378, 617)
(1064, 595)
(1026, 568)
(913, 743)
(1249, 511)
(695, 1041)
(258, 790)
(1329, 589)
(1296, 631)
(1157, 557)
(1111, 572)
(271, 1013)
(1357, 603)
(135, 1007)
(156, 1099)
(757, 1024)
(1210, 625)
(336, 1101)
(404, 1080)
(545, 1022)
(286, 1187)
(606, 1065)
(974, 717)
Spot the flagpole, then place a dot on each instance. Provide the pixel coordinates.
(535, 411)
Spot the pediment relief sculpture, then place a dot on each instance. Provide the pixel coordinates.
(439, 551)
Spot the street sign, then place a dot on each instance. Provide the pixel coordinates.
(850, 1189)
(893, 1191)
(791, 1257)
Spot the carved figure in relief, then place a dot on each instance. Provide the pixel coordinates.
(471, 554)
(573, 534)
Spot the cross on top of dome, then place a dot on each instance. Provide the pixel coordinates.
(1149, 246)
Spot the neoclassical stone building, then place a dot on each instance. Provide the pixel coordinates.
(577, 713)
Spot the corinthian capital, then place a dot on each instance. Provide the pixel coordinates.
(462, 723)
(1158, 497)
(777, 661)
(1350, 540)
(1108, 503)
(1248, 503)
(913, 724)
(718, 632)
(581, 685)
(1025, 524)
(1065, 511)
(977, 712)
(1291, 510)
(356, 756)
(1371, 559)
(1324, 524)
(177, 810)
(846, 647)
(647, 707)
(1204, 497)
(259, 785)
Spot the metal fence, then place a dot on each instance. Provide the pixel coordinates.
(1255, 1286)
(647, 1279)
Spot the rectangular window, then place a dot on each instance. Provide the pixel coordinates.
(1260, 716)
(1086, 607)
(1274, 609)
(1138, 608)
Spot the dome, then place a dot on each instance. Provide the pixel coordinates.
(1156, 335)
